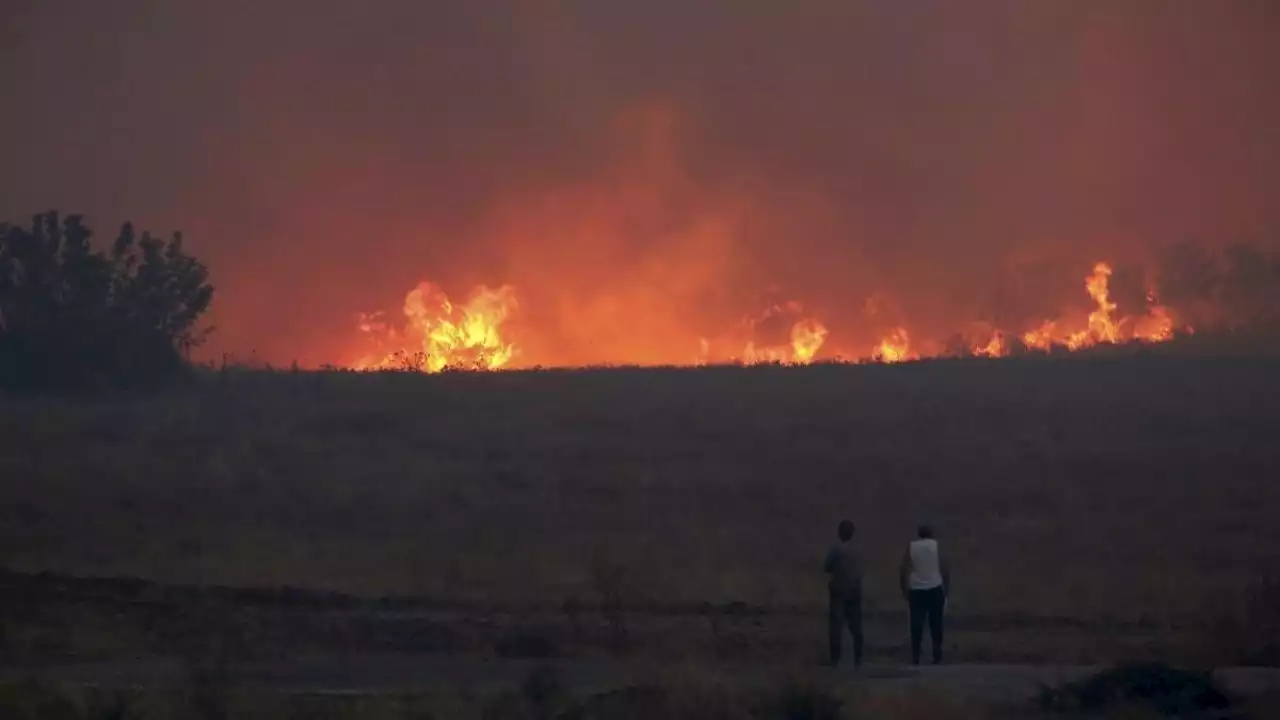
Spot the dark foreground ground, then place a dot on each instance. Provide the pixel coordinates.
(95, 646)
(1095, 510)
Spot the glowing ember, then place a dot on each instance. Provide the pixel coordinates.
(446, 336)
(1157, 326)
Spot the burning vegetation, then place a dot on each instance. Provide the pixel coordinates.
(438, 334)
(641, 262)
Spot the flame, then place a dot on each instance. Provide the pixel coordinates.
(1040, 338)
(438, 334)
(804, 339)
(447, 337)
(807, 337)
(995, 347)
(1102, 326)
(894, 347)
(1157, 326)
(1102, 329)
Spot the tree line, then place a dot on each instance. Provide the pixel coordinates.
(73, 316)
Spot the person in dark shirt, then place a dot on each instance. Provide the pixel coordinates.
(844, 566)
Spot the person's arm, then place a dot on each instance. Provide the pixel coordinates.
(904, 572)
(829, 565)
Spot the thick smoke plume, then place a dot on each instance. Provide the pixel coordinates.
(659, 180)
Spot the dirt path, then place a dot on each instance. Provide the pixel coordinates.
(373, 674)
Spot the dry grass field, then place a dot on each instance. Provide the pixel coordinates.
(1079, 499)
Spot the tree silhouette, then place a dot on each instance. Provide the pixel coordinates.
(1189, 280)
(73, 317)
(1251, 288)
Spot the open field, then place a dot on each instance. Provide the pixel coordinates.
(1094, 509)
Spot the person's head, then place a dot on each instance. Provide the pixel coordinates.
(845, 531)
(924, 532)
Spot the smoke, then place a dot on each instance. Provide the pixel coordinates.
(649, 174)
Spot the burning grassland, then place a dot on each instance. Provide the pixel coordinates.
(437, 334)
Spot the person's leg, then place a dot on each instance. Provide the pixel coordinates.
(853, 616)
(917, 602)
(835, 628)
(937, 604)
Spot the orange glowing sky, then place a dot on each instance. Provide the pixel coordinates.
(648, 176)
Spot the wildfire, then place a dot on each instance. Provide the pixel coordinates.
(1102, 326)
(1102, 329)
(807, 337)
(804, 339)
(895, 347)
(446, 336)
(1157, 326)
(995, 347)
(438, 334)
(1040, 338)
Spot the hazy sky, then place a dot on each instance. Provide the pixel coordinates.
(635, 166)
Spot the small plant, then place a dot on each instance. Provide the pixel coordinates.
(209, 688)
(608, 581)
(1246, 630)
(36, 700)
(1169, 691)
(803, 701)
(118, 708)
(637, 702)
(544, 692)
(572, 609)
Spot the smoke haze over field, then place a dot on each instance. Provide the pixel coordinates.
(645, 174)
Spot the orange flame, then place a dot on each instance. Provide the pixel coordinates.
(895, 347)
(807, 337)
(1102, 326)
(1157, 326)
(1102, 329)
(473, 340)
(1040, 338)
(995, 347)
(471, 336)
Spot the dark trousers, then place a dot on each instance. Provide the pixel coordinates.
(845, 611)
(927, 605)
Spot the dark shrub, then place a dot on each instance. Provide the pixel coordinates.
(1167, 690)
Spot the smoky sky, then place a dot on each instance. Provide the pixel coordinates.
(652, 162)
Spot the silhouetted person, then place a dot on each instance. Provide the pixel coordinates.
(926, 581)
(845, 590)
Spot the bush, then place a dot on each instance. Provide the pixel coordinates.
(1243, 629)
(803, 701)
(36, 700)
(1166, 690)
(72, 317)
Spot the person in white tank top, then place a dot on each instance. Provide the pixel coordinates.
(926, 581)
